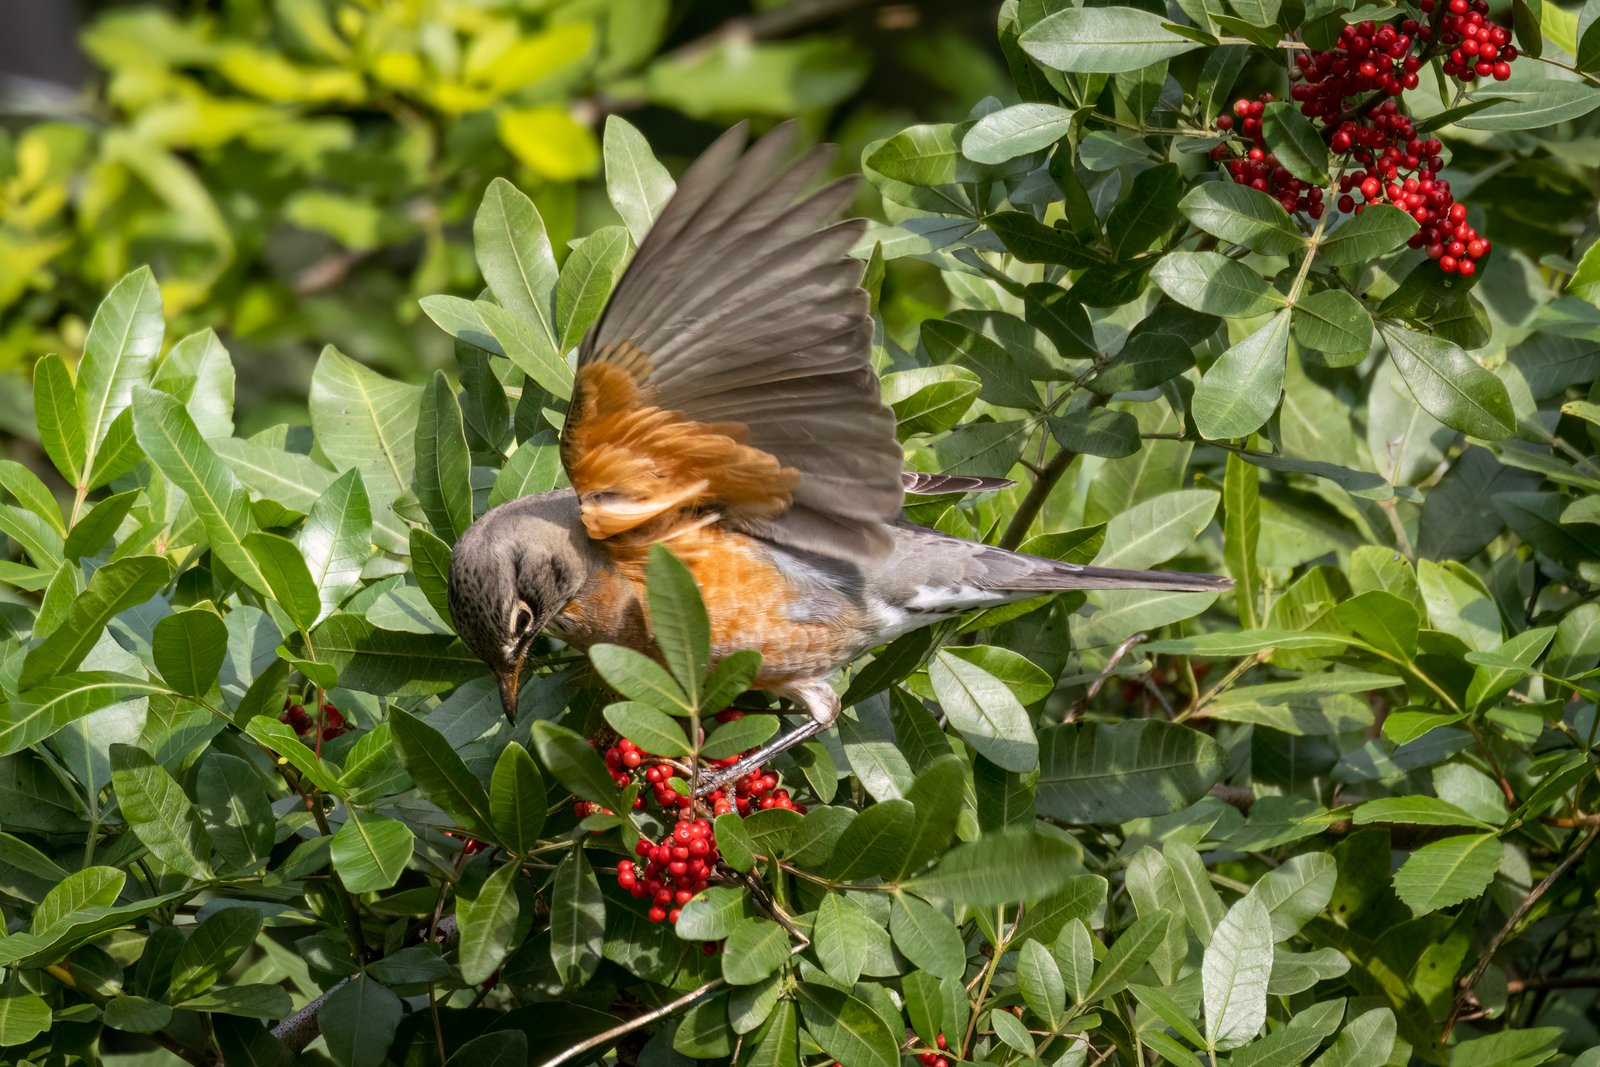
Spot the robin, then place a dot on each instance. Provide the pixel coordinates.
(725, 405)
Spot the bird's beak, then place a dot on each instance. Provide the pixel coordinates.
(510, 682)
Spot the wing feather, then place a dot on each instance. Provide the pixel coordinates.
(729, 373)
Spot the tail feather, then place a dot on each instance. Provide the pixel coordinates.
(1052, 574)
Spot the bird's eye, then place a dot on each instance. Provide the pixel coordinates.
(521, 620)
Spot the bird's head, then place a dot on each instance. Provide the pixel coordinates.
(510, 573)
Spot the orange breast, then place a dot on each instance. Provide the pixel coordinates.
(747, 598)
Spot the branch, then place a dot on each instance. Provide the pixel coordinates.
(606, 1037)
(302, 1028)
(1038, 493)
(1472, 980)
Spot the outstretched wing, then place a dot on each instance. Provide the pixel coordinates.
(728, 378)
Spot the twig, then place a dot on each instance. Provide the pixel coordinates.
(1472, 980)
(302, 1028)
(1514, 986)
(1033, 502)
(606, 1037)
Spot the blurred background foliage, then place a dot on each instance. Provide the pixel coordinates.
(299, 172)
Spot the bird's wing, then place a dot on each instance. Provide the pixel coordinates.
(728, 378)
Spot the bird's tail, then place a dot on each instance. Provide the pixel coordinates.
(1022, 573)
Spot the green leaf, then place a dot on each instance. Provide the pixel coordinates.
(678, 620)
(367, 421)
(1333, 321)
(92, 887)
(1214, 284)
(1242, 388)
(1234, 973)
(755, 949)
(988, 715)
(1097, 432)
(40, 712)
(514, 255)
(211, 950)
(573, 763)
(358, 1022)
(387, 662)
(430, 561)
(1449, 384)
(1108, 773)
(1415, 810)
(1384, 620)
(158, 812)
(113, 589)
(776, 1044)
(590, 273)
(199, 372)
(1126, 955)
(444, 486)
(535, 467)
(23, 1017)
(1004, 382)
(711, 915)
(1106, 40)
(336, 540)
(1377, 231)
(1155, 530)
(577, 920)
(926, 936)
(1241, 534)
(1444, 873)
(526, 345)
(1013, 865)
(848, 1028)
(254, 1000)
(136, 1015)
(844, 936)
(1291, 137)
(1043, 989)
(876, 842)
(441, 775)
(740, 735)
(937, 796)
(118, 354)
(59, 419)
(922, 156)
(1147, 212)
(653, 731)
(1296, 892)
(488, 921)
(280, 563)
(31, 493)
(280, 738)
(638, 186)
(1243, 216)
(370, 852)
(638, 677)
(188, 647)
(236, 811)
(96, 526)
(517, 799)
(1014, 131)
(1368, 1038)
(168, 436)
(1531, 104)
(1584, 284)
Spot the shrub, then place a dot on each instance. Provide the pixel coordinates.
(1341, 815)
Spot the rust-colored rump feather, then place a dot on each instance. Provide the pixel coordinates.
(648, 472)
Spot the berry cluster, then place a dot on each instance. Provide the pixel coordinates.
(301, 721)
(674, 870)
(684, 862)
(1351, 90)
(1478, 47)
(1259, 168)
(935, 1059)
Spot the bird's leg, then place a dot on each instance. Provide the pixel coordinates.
(819, 700)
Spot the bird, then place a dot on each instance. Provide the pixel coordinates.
(725, 405)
